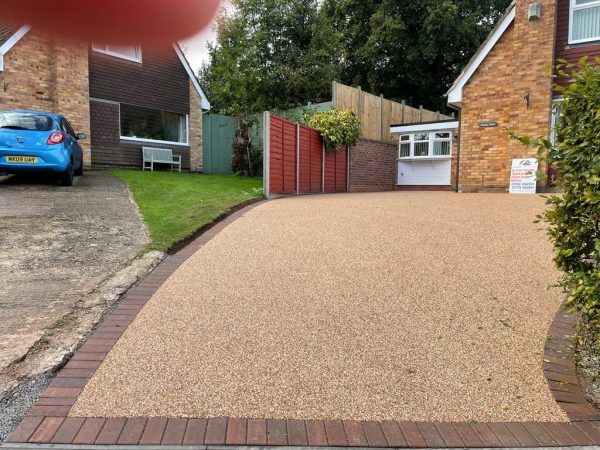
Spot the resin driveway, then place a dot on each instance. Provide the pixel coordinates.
(389, 306)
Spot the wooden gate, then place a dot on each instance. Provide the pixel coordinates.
(218, 133)
(295, 161)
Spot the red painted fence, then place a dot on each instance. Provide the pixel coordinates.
(296, 163)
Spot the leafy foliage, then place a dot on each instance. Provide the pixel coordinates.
(277, 54)
(574, 217)
(411, 50)
(270, 54)
(337, 128)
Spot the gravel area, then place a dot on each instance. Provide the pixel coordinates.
(15, 404)
(401, 306)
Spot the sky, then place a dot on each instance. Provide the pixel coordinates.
(195, 48)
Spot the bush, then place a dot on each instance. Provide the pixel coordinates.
(338, 128)
(574, 216)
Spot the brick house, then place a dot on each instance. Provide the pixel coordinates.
(122, 97)
(506, 85)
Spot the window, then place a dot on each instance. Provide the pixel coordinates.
(584, 21)
(437, 144)
(442, 143)
(145, 124)
(67, 128)
(405, 146)
(128, 52)
(556, 114)
(26, 121)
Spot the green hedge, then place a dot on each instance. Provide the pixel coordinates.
(573, 218)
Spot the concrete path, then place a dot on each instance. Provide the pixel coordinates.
(393, 306)
(56, 245)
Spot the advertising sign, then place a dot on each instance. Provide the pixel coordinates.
(523, 176)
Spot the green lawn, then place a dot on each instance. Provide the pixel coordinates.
(176, 205)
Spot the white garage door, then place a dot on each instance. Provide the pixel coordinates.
(424, 173)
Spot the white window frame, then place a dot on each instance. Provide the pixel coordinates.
(431, 139)
(556, 112)
(156, 141)
(574, 7)
(106, 51)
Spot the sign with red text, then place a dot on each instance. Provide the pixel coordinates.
(523, 176)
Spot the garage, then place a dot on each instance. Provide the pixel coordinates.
(426, 153)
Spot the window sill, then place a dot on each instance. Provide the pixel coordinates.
(426, 158)
(152, 141)
(584, 43)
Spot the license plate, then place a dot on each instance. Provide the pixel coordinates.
(22, 159)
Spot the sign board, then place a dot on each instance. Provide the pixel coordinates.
(488, 124)
(523, 176)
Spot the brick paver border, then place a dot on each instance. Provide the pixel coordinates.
(48, 423)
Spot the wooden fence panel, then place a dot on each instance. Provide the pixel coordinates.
(282, 156)
(376, 114)
(311, 161)
(336, 171)
(294, 157)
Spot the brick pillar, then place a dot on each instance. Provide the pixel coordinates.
(72, 92)
(195, 137)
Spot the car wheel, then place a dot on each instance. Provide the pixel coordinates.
(79, 171)
(66, 179)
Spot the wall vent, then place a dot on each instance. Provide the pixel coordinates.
(535, 11)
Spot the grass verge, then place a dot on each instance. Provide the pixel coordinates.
(176, 205)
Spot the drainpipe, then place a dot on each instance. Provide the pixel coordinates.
(456, 183)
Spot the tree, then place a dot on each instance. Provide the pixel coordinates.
(270, 54)
(410, 50)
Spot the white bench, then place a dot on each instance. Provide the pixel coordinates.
(154, 155)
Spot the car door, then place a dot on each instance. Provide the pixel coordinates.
(76, 149)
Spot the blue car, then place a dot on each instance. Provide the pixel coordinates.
(39, 142)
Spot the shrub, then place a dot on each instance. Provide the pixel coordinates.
(338, 128)
(574, 217)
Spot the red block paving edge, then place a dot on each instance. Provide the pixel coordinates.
(47, 421)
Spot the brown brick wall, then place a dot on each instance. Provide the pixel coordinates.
(496, 93)
(373, 166)
(48, 75)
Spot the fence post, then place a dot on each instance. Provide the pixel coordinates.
(323, 170)
(334, 94)
(381, 117)
(266, 153)
(403, 106)
(348, 168)
(297, 158)
(360, 117)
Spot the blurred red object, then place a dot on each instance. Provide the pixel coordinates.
(150, 22)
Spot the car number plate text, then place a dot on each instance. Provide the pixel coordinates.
(22, 159)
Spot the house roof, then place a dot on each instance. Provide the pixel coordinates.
(7, 29)
(454, 94)
(10, 34)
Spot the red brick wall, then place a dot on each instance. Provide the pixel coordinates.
(373, 166)
(571, 53)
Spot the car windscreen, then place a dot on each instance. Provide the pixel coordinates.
(25, 121)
